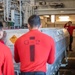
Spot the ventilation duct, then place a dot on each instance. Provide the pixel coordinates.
(42, 3)
(57, 5)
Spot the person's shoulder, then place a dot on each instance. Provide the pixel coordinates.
(4, 48)
(49, 39)
(5, 51)
(65, 24)
(3, 45)
(2, 41)
(47, 36)
(21, 37)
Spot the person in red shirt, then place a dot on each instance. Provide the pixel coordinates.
(6, 63)
(1, 32)
(34, 49)
(70, 29)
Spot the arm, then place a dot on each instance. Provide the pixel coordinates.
(8, 68)
(51, 57)
(16, 56)
(65, 25)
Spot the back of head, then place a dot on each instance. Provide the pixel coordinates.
(34, 21)
(69, 22)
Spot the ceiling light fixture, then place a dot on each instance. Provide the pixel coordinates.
(52, 18)
(64, 18)
(46, 15)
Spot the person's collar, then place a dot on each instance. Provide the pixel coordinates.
(1, 41)
(31, 29)
(34, 30)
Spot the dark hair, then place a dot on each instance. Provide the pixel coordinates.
(34, 21)
(1, 25)
(69, 21)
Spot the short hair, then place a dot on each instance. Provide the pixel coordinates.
(69, 21)
(1, 25)
(34, 21)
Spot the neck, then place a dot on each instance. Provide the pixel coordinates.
(36, 28)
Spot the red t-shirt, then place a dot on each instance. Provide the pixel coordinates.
(6, 63)
(2, 41)
(69, 28)
(34, 49)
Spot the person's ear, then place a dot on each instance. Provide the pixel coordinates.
(40, 26)
(28, 25)
(1, 34)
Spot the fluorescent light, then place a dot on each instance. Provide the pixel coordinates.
(61, 11)
(41, 17)
(46, 15)
(64, 18)
(52, 18)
